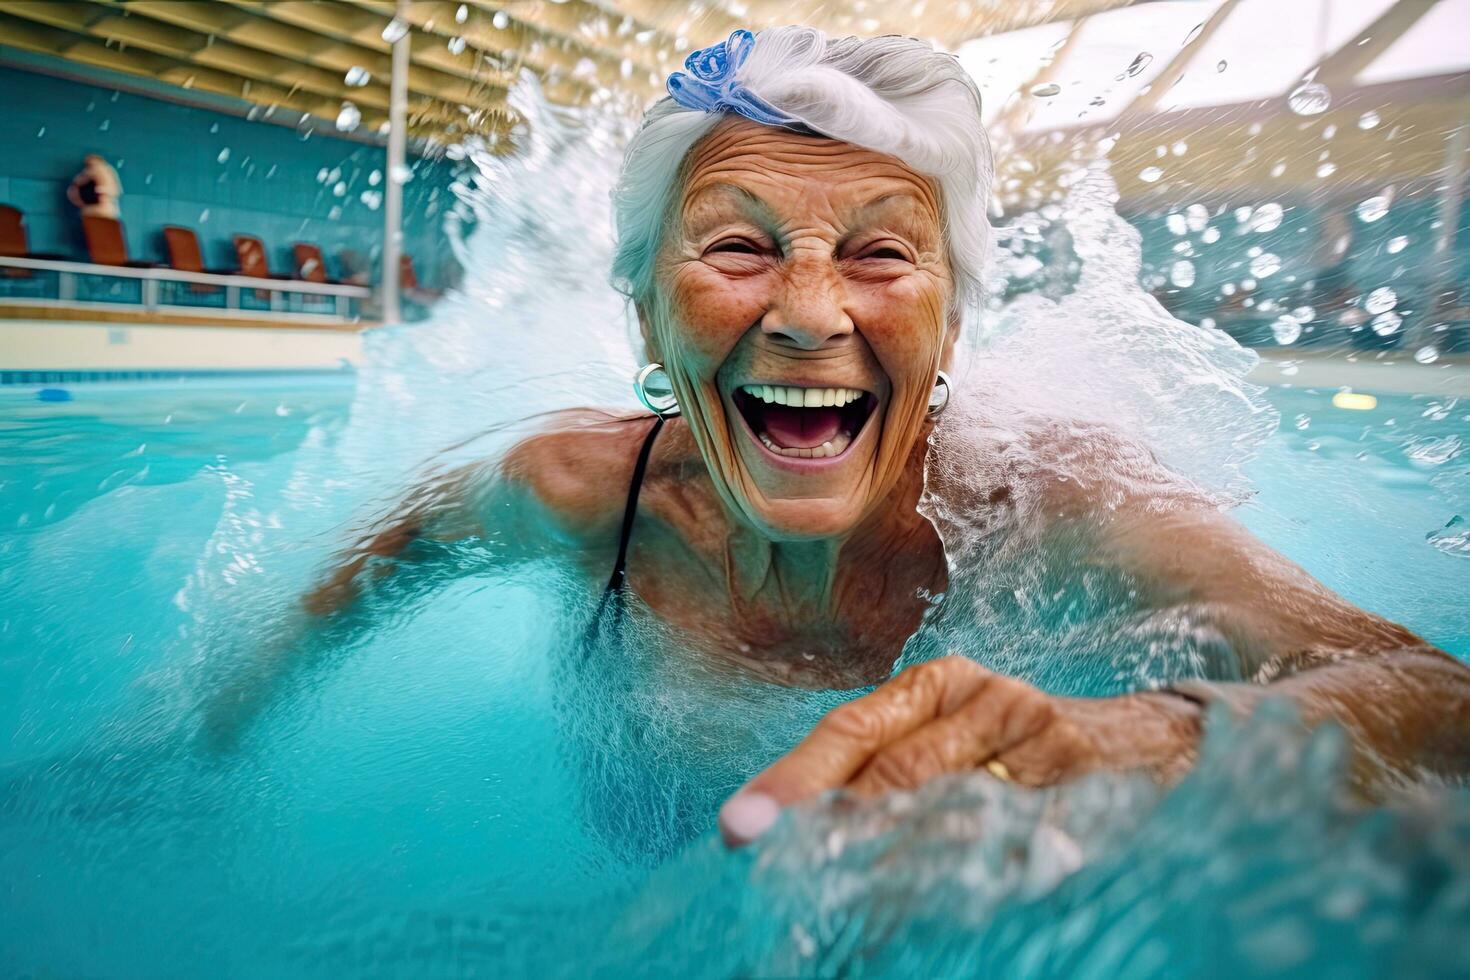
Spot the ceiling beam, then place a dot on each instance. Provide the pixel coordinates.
(1148, 99)
(1342, 65)
(1017, 112)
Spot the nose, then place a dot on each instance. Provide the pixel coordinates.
(809, 311)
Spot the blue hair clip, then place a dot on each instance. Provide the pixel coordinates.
(711, 86)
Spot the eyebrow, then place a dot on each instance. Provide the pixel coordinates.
(747, 197)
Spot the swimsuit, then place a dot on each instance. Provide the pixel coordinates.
(614, 594)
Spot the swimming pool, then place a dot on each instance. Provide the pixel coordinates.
(413, 808)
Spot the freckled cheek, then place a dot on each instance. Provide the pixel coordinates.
(711, 313)
(903, 323)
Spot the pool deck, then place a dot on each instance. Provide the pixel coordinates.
(1382, 372)
(126, 343)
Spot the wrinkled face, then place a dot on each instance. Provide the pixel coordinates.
(805, 292)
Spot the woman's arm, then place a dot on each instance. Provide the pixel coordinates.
(394, 560)
(1404, 704)
(559, 491)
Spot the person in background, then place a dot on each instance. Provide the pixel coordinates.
(96, 188)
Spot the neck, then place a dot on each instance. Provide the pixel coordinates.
(801, 576)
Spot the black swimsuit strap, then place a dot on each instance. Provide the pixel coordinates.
(630, 512)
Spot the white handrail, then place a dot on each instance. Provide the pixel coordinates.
(178, 275)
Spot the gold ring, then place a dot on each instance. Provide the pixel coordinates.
(998, 769)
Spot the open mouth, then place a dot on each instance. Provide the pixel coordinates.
(804, 423)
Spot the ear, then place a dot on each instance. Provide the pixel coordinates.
(645, 330)
(951, 337)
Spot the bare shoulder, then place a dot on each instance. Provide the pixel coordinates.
(576, 470)
(1057, 467)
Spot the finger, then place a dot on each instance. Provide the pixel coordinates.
(1003, 714)
(847, 738)
(1061, 753)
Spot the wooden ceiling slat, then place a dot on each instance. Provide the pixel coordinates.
(240, 40)
(135, 29)
(485, 47)
(343, 35)
(85, 50)
(177, 58)
(593, 32)
(561, 62)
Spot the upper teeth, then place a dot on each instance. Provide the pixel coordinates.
(803, 397)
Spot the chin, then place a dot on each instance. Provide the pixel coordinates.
(805, 519)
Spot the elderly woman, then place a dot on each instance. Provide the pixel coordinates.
(800, 226)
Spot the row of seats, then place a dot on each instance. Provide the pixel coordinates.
(106, 245)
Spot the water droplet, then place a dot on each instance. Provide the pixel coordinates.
(348, 118)
(1387, 324)
(1267, 217)
(1210, 236)
(1426, 355)
(1368, 120)
(1286, 330)
(462, 14)
(339, 189)
(1181, 273)
(1139, 63)
(395, 30)
(1180, 148)
(1373, 208)
(1310, 99)
(501, 20)
(1397, 244)
(1046, 90)
(1304, 314)
(402, 174)
(1303, 421)
(1175, 224)
(357, 76)
(224, 155)
(1196, 217)
(1264, 265)
(1381, 300)
(1221, 65)
(41, 132)
(375, 178)
(1327, 169)
(1150, 174)
(204, 216)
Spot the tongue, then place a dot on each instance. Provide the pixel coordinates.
(800, 428)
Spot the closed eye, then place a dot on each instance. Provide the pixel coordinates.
(735, 246)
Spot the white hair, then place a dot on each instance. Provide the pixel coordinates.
(892, 94)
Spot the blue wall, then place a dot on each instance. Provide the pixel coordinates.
(213, 172)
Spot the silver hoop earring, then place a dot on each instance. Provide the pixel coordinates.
(656, 391)
(939, 397)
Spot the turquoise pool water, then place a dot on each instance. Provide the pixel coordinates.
(415, 806)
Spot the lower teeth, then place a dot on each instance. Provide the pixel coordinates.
(833, 447)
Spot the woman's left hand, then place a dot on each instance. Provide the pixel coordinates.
(952, 715)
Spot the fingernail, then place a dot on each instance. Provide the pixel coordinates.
(745, 816)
